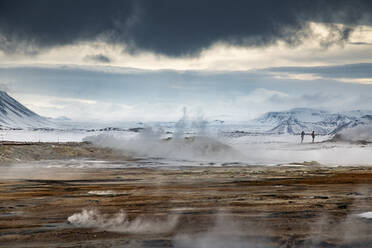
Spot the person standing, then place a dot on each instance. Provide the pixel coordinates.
(313, 135)
(302, 136)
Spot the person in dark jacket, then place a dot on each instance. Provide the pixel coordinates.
(313, 135)
(302, 136)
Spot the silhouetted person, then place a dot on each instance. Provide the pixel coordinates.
(313, 135)
(302, 136)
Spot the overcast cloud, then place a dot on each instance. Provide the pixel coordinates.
(146, 60)
(173, 28)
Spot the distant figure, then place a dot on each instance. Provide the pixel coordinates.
(313, 135)
(302, 136)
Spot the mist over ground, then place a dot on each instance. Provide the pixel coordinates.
(98, 150)
(360, 133)
(192, 139)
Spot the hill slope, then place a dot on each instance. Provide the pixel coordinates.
(14, 115)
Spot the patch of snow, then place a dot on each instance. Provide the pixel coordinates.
(104, 192)
(366, 215)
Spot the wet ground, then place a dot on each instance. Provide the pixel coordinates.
(252, 206)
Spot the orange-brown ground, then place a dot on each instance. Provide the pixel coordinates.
(279, 206)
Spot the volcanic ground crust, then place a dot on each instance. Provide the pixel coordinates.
(273, 206)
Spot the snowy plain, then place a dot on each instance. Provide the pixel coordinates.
(218, 146)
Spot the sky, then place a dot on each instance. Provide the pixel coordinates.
(143, 60)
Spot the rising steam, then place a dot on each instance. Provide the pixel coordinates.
(359, 133)
(226, 232)
(190, 141)
(120, 222)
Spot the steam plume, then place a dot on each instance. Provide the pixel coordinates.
(119, 222)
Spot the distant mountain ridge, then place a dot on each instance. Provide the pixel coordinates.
(296, 120)
(14, 115)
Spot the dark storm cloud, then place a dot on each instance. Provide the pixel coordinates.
(98, 58)
(171, 27)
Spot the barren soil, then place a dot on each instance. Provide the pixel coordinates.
(249, 206)
(11, 152)
(279, 206)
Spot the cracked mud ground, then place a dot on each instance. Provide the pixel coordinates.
(278, 206)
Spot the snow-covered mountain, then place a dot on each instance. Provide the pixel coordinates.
(297, 120)
(14, 115)
(364, 120)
